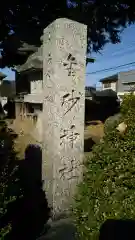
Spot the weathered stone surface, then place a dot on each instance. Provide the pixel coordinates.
(64, 61)
(122, 127)
(111, 120)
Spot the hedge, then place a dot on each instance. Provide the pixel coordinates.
(108, 187)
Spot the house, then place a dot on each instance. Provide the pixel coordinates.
(29, 86)
(122, 82)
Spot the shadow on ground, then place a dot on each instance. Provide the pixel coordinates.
(62, 229)
(110, 230)
(29, 213)
(88, 144)
(117, 230)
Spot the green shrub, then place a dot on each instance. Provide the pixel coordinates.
(108, 187)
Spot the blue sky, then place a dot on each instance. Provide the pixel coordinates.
(111, 56)
(10, 74)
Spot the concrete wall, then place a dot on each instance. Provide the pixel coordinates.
(35, 92)
(3, 100)
(34, 98)
(123, 79)
(36, 87)
(36, 82)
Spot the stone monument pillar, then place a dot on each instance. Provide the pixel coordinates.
(64, 62)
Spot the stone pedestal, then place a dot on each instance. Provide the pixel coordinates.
(64, 62)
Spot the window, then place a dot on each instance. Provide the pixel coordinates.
(107, 85)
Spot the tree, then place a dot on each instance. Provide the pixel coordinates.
(24, 22)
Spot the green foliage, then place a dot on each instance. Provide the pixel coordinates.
(8, 191)
(108, 187)
(105, 21)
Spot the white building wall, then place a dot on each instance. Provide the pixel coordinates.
(36, 86)
(113, 86)
(36, 82)
(3, 100)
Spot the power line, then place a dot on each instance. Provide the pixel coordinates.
(126, 52)
(130, 46)
(112, 68)
(120, 54)
(122, 51)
